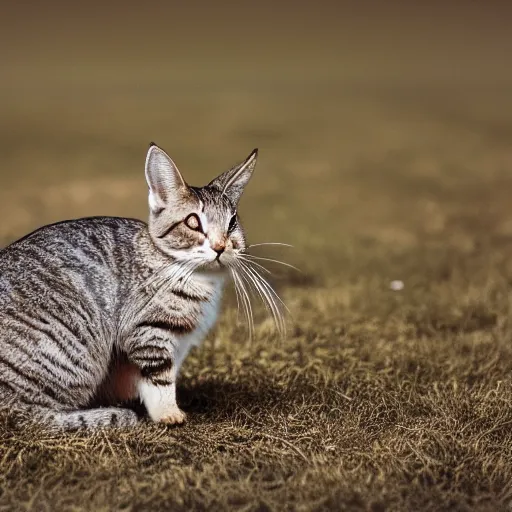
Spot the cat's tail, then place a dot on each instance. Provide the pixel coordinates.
(85, 419)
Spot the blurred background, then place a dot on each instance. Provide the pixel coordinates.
(367, 114)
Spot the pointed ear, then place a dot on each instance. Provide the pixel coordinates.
(233, 182)
(164, 180)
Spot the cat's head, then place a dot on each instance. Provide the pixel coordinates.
(199, 226)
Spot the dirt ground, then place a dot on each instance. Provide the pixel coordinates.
(381, 159)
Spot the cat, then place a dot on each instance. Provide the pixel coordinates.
(101, 311)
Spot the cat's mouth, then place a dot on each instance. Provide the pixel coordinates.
(215, 265)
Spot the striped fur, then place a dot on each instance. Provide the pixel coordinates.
(97, 312)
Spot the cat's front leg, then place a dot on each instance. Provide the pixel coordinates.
(152, 350)
(159, 396)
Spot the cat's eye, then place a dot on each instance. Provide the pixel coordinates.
(193, 222)
(232, 224)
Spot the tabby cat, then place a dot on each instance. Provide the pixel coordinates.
(98, 312)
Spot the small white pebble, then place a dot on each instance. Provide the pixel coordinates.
(397, 285)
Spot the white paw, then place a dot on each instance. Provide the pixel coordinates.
(174, 417)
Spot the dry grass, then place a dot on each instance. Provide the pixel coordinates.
(378, 400)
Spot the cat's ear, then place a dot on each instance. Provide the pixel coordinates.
(166, 184)
(232, 182)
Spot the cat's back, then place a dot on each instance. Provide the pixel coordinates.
(70, 255)
(70, 240)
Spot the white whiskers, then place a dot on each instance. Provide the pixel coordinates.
(241, 292)
(269, 243)
(247, 277)
(252, 257)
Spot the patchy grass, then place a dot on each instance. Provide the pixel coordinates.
(377, 400)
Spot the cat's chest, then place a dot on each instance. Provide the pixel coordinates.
(208, 310)
(191, 311)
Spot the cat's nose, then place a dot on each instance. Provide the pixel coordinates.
(219, 248)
